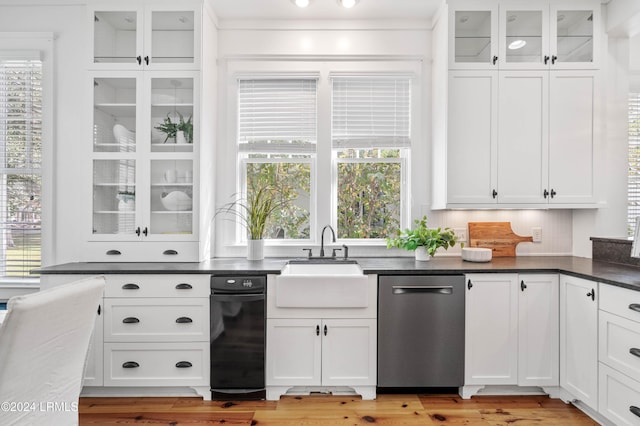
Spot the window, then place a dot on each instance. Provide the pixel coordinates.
(633, 209)
(20, 176)
(277, 148)
(371, 140)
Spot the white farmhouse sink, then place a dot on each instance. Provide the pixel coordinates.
(321, 285)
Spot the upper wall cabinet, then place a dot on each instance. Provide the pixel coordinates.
(515, 34)
(143, 35)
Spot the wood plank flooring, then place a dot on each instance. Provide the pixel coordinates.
(396, 410)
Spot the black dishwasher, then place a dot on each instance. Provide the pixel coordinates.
(421, 331)
(238, 337)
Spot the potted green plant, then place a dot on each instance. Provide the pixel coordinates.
(253, 211)
(172, 129)
(423, 240)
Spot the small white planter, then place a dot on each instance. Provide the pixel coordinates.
(180, 137)
(255, 249)
(422, 254)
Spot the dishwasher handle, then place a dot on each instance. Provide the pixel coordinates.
(443, 289)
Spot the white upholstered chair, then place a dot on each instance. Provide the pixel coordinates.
(44, 340)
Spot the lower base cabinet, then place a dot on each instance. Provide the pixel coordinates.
(579, 339)
(619, 397)
(321, 352)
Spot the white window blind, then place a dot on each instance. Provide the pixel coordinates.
(371, 112)
(20, 161)
(633, 208)
(277, 115)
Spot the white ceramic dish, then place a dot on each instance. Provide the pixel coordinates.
(476, 254)
(176, 201)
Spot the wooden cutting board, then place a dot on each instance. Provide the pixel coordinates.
(498, 236)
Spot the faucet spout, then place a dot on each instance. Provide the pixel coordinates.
(333, 234)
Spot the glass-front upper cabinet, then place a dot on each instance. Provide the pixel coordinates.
(575, 34)
(473, 35)
(171, 198)
(115, 112)
(172, 117)
(524, 35)
(127, 36)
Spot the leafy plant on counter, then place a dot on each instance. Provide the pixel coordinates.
(421, 235)
(254, 209)
(171, 128)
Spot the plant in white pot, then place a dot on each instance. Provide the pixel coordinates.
(253, 211)
(423, 240)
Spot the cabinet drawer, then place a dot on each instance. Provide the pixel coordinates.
(619, 397)
(620, 301)
(156, 320)
(619, 344)
(105, 251)
(168, 285)
(156, 364)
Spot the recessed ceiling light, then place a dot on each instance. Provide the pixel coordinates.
(348, 3)
(301, 3)
(517, 44)
(560, 18)
(512, 18)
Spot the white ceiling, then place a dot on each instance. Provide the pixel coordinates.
(324, 10)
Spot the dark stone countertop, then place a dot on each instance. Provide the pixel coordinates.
(606, 272)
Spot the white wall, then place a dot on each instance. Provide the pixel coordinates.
(68, 23)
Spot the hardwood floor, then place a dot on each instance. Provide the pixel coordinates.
(396, 410)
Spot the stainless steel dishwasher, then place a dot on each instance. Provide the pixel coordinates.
(420, 331)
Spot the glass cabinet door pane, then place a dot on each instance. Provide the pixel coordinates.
(114, 37)
(575, 35)
(114, 114)
(524, 36)
(114, 199)
(473, 36)
(172, 36)
(172, 114)
(171, 197)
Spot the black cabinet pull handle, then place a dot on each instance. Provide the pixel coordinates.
(183, 364)
(170, 252)
(325, 330)
(553, 192)
(146, 60)
(113, 253)
(317, 330)
(130, 320)
(138, 231)
(494, 193)
(592, 294)
(635, 352)
(495, 59)
(546, 59)
(184, 320)
(554, 58)
(469, 285)
(184, 286)
(99, 309)
(545, 193)
(139, 59)
(635, 410)
(130, 364)
(635, 307)
(522, 285)
(145, 231)
(131, 286)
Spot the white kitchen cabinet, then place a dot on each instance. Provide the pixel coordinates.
(521, 133)
(511, 331)
(321, 353)
(619, 355)
(491, 329)
(93, 369)
(145, 35)
(519, 34)
(579, 339)
(156, 331)
(144, 187)
(538, 330)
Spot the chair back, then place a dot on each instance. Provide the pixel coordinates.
(44, 340)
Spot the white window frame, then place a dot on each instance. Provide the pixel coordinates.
(323, 178)
(42, 42)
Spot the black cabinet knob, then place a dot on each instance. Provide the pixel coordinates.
(592, 294)
(469, 285)
(523, 286)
